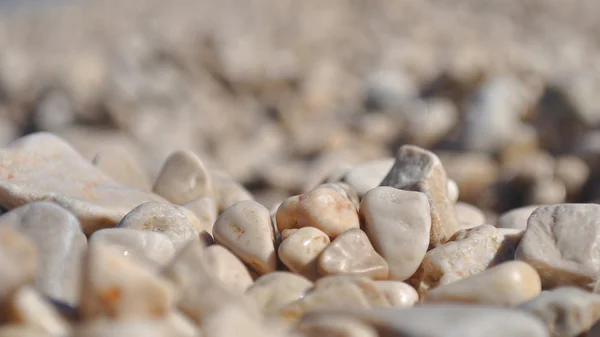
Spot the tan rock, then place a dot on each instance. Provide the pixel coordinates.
(344, 189)
(232, 319)
(274, 290)
(123, 166)
(183, 178)
(453, 190)
(226, 191)
(507, 284)
(19, 261)
(398, 294)
(420, 170)
(136, 328)
(205, 210)
(468, 215)
(334, 325)
(13, 330)
(171, 220)
(573, 172)
(287, 233)
(397, 223)
(547, 191)
(469, 253)
(516, 218)
(246, 229)
(227, 268)
(351, 253)
(300, 251)
(473, 172)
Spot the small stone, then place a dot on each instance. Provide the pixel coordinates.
(181, 326)
(183, 178)
(205, 210)
(453, 191)
(171, 220)
(321, 208)
(351, 253)
(324, 325)
(368, 175)
(135, 328)
(42, 166)
(153, 249)
(246, 229)
(567, 312)
(561, 243)
(345, 190)
(60, 243)
(420, 170)
(573, 172)
(547, 191)
(398, 294)
(516, 218)
(118, 288)
(397, 223)
(13, 330)
(226, 191)
(123, 167)
(507, 284)
(468, 215)
(300, 251)
(274, 290)
(469, 253)
(232, 319)
(227, 268)
(19, 261)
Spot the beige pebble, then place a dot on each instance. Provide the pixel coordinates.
(287, 233)
(183, 178)
(547, 191)
(27, 307)
(368, 175)
(181, 326)
(70, 181)
(227, 268)
(171, 220)
(562, 243)
(246, 229)
(19, 261)
(226, 191)
(453, 191)
(573, 172)
(351, 253)
(469, 216)
(119, 288)
(398, 294)
(345, 190)
(14, 330)
(322, 208)
(123, 166)
(205, 210)
(274, 290)
(232, 319)
(323, 325)
(421, 170)
(152, 249)
(516, 218)
(135, 328)
(469, 253)
(473, 172)
(300, 251)
(397, 223)
(507, 284)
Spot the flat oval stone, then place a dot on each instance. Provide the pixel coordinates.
(60, 242)
(167, 219)
(516, 218)
(153, 249)
(351, 253)
(507, 284)
(398, 294)
(42, 166)
(397, 223)
(227, 268)
(183, 178)
(274, 290)
(19, 261)
(246, 229)
(301, 250)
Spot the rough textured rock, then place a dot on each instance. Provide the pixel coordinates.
(274, 290)
(420, 170)
(183, 178)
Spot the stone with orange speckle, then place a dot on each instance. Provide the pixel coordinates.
(301, 250)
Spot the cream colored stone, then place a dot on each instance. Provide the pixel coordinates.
(397, 223)
(516, 218)
(171, 220)
(344, 189)
(573, 172)
(135, 328)
(468, 215)
(226, 191)
(453, 191)
(287, 233)
(233, 320)
(205, 210)
(398, 294)
(227, 268)
(122, 165)
(183, 178)
(368, 175)
(420, 170)
(351, 253)
(300, 251)
(181, 326)
(246, 229)
(322, 208)
(470, 252)
(507, 284)
(324, 325)
(118, 288)
(274, 290)
(13, 330)
(19, 261)
(547, 191)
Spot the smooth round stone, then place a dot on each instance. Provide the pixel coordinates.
(453, 190)
(301, 250)
(334, 325)
(516, 218)
(227, 268)
(274, 290)
(399, 294)
(19, 260)
(468, 215)
(246, 230)
(507, 284)
(123, 167)
(205, 210)
(397, 223)
(153, 249)
(351, 253)
(368, 175)
(183, 178)
(60, 242)
(226, 191)
(167, 219)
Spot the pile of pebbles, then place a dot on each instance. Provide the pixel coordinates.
(373, 252)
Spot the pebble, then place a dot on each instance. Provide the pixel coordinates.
(368, 175)
(60, 243)
(183, 178)
(19, 261)
(227, 268)
(135, 328)
(516, 218)
(226, 191)
(351, 253)
(344, 189)
(246, 229)
(14, 330)
(469, 253)
(334, 325)
(561, 243)
(152, 249)
(122, 165)
(469, 216)
(453, 191)
(322, 208)
(507, 284)
(119, 288)
(176, 222)
(205, 210)
(232, 319)
(274, 290)
(547, 191)
(473, 172)
(398, 294)
(573, 172)
(566, 311)
(421, 170)
(42, 166)
(300, 251)
(398, 225)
